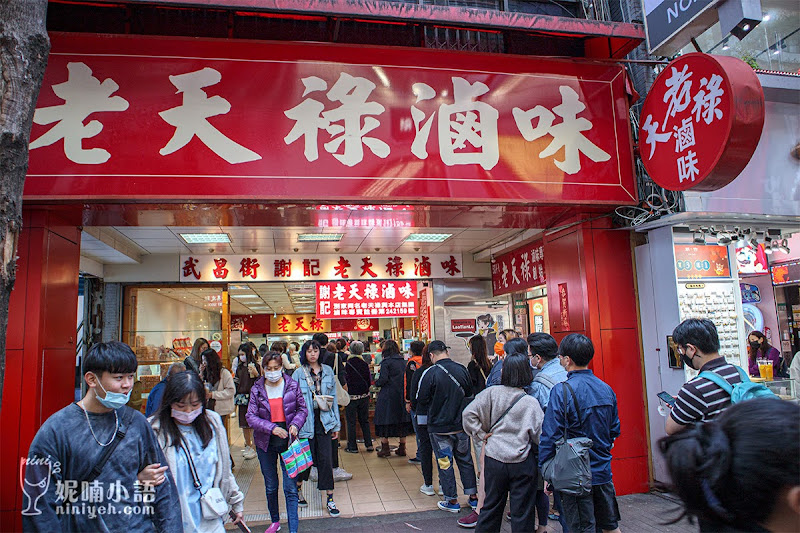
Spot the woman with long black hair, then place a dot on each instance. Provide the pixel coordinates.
(195, 445)
(479, 366)
(248, 370)
(391, 417)
(219, 384)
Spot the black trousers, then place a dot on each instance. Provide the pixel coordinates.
(425, 454)
(358, 411)
(516, 479)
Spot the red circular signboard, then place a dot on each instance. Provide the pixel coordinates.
(701, 122)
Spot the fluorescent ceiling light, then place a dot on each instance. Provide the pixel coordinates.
(239, 287)
(428, 237)
(240, 296)
(319, 237)
(205, 238)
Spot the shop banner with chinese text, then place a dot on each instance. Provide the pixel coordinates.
(313, 267)
(161, 118)
(519, 269)
(380, 299)
(283, 323)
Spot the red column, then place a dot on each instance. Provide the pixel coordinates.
(40, 344)
(590, 288)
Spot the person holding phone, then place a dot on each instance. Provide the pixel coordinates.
(276, 412)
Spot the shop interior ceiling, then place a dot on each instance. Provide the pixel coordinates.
(128, 245)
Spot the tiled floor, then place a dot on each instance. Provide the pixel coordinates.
(378, 485)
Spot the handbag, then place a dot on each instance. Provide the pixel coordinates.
(323, 401)
(212, 502)
(569, 470)
(297, 457)
(341, 395)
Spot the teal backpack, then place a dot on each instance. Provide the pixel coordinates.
(740, 392)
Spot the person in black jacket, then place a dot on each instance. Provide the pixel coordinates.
(358, 381)
(391, 417)
(479, 366)
(444, 391)
(424, 447)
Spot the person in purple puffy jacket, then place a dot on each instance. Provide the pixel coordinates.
(759, 348)
(276, 411)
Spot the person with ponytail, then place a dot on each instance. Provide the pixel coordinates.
(741, 471)
(195, 445)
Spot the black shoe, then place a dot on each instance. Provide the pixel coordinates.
(301, 501)
(348, 450)
(370, 448)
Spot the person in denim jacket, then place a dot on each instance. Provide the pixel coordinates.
(318, 380)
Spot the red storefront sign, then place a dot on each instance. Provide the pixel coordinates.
(693, 261)
(519, 269)
(701, 122)
(355, 324)
(153, 117)
(378, 299)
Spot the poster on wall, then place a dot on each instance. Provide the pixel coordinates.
(462, 322)
(697, 261)
(752, 260)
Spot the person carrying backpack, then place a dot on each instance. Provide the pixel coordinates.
(716, 387)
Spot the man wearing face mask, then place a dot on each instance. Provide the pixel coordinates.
(700, 399)
(99, 443)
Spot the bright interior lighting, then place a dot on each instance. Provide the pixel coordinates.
(746, 27)
(428, 237)
(240, 296)
(205, 238)
(765, 17)
(319, 237)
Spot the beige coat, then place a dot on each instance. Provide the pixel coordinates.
(223, 479)
(226, 389)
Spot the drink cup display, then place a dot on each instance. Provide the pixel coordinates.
(769, 370)
(762, 370)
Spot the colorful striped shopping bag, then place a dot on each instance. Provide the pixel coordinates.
(297, 458)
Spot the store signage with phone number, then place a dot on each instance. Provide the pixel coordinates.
(701, 122)
(317, 267)
(378, 299)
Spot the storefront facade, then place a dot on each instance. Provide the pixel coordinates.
(326, 138)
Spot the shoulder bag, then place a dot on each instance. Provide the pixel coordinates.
(97, 469)
(341, 395)
(323, 401)
(515, 402)
(569, 470)
(212, 502)
(465, 401)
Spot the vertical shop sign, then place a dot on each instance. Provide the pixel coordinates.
(693, 261)
(563, 306)
(378, 299)
(701, 122)
(424, 314)
(519, 269)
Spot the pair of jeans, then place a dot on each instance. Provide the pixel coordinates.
(425, 454)
(269, 470)
(593, 513)
(450, 448)
(416, 433)
(504, 480)
(358, 411)
(560, 508)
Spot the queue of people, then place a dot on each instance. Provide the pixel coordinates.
(515, 418)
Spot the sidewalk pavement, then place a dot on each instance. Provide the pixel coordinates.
(641, 513)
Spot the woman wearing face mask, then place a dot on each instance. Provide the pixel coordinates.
(220, 385)
(759, 348)
(194, 359)
(247, 372)
(196, 448)
(322, 425)
(276, 412)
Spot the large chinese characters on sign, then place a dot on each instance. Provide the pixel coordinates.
(378, 299)
(519, 269)
(701, 122)
(191, 119)
(311, 267)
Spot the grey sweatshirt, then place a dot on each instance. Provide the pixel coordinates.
(512, 438)
(62, 456)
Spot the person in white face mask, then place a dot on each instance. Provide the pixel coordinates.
(196, 449)
(247, 372)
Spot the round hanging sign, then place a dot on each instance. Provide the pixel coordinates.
(701, 122)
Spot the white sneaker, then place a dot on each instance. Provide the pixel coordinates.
(340, 474)
(440, 492)
(427, 490)
(249, 453)
(313, 476)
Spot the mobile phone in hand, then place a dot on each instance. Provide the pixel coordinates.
(666, 398)
(242, 525)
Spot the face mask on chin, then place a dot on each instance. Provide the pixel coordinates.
(112, 400)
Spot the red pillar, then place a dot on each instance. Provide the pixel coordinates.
(592, 263)
(40, 344)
